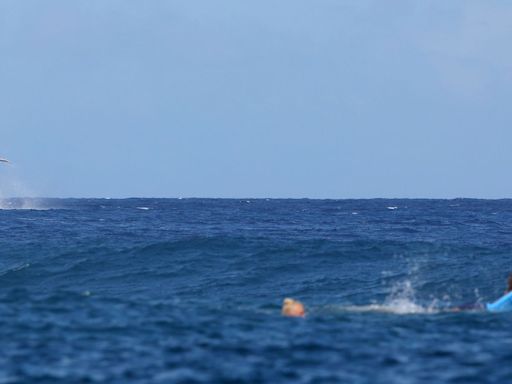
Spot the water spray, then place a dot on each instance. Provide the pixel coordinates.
(14, 194)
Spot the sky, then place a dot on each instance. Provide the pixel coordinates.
(230, 98)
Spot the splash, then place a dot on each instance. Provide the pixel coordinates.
(401, 301)
(15, 194)
(27, 203)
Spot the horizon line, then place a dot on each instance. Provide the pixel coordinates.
(244, 198)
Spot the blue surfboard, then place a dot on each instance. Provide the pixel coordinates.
(503, 304)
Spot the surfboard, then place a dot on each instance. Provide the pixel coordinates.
(503, 304)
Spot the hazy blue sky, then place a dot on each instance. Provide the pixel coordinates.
(231, 98)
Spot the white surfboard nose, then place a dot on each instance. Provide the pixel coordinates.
(4, 160)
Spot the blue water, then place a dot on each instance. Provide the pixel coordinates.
(189, 291)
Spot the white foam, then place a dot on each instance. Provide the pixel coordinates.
(397, 308)
(401, 301)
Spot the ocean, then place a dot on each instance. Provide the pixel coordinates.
(190, 291)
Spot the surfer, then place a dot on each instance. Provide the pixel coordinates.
(293, 308)
(503, 304)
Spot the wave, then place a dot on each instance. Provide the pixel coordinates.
(15, 268)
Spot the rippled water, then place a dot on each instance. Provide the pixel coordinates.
(186, 291)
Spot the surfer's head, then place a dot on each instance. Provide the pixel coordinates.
(509, 285)
(293, 308)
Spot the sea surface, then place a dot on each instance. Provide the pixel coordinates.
(190, 291)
